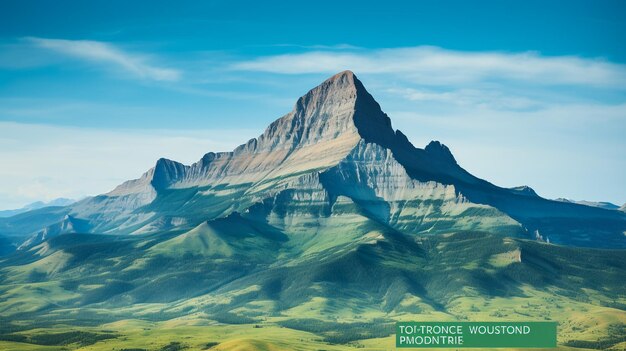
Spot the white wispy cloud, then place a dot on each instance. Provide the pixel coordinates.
(104, 53)
(492, 99)
(320, 46)
(433, 65)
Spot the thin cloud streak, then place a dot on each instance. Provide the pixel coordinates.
(433, 65)
(104, 53)
(489, 99)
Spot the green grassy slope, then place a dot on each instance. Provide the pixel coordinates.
(344, 297)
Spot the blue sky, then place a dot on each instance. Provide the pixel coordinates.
(523, 92)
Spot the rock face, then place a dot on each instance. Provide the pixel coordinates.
(324, 126)
(336, 157)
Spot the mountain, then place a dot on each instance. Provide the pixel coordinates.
(600, 204)
(36, 205)
(524, 190)
(338, 142)
(326, 229)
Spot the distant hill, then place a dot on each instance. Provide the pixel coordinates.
(36, 205)
(600, 204)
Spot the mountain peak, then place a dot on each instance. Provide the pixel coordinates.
(344, 77)
(338, 108)
(325, 125)
(524, 190)
(167, 172)
(440, 151)
(164, 173)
